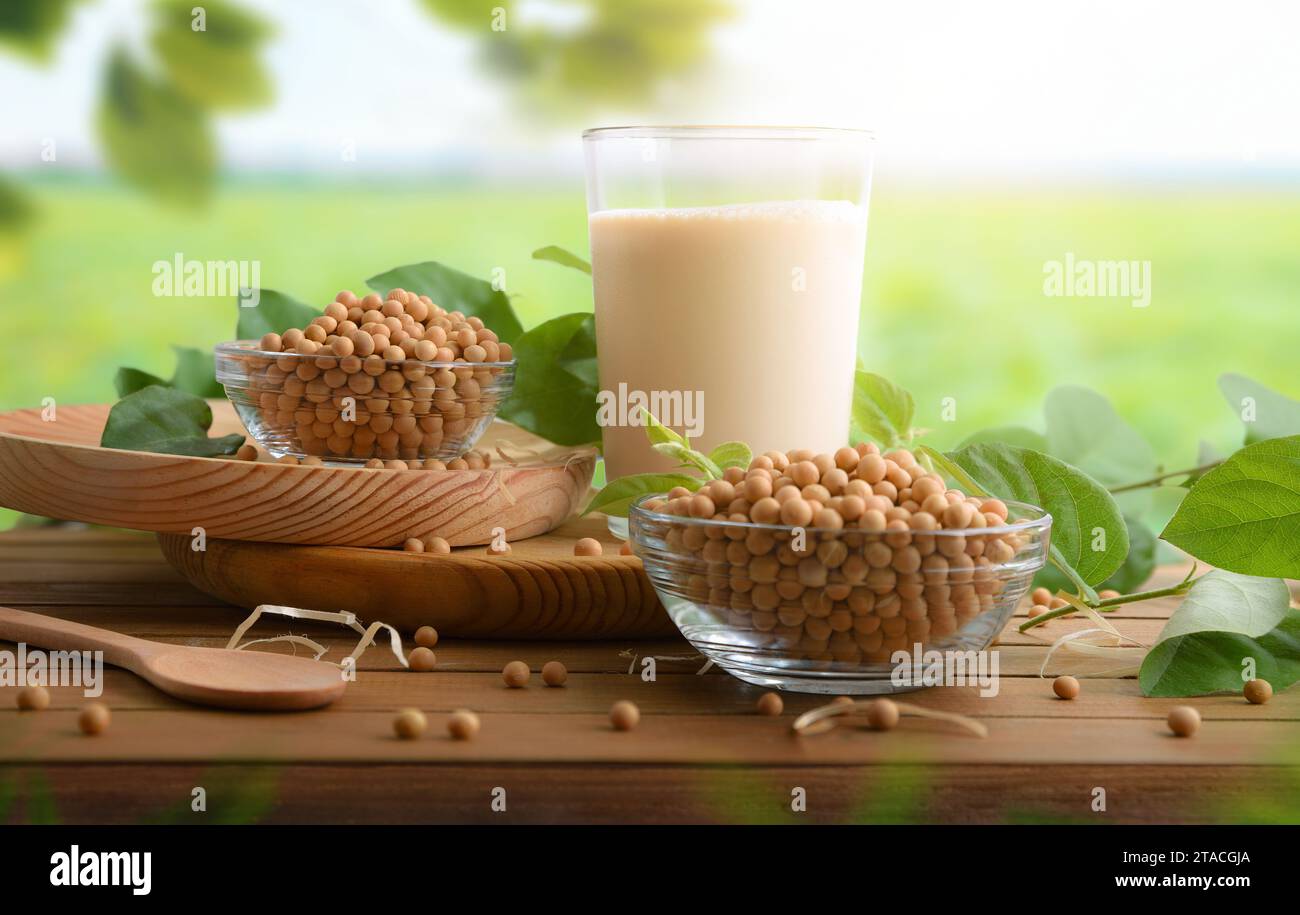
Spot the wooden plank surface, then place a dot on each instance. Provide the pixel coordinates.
(685, 694)
(701, 753)
(670, 655)
(187, 736)
(417, 793)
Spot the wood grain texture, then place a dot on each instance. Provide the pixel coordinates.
(207, 735)
(57, 469)
(613, 656)
(685, 694)
(539, 590)
(418, 793)
(701, 754)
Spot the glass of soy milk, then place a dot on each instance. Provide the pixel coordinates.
(727, 265)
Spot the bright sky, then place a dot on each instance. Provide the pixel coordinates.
(1013, 87)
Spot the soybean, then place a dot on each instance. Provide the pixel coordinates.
(1184, 720)
(422, 660)
(851, 556)
(401, 345)
(33, 699)
(410, 723)
(554, 673)
(624, 715)
(463, 725)
(94, 719)
(1066, 687)
(1257, 692)
(883, 715)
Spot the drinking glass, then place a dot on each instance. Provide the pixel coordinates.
(727, 266)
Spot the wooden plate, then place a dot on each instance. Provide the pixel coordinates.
(57, 469)
(539, 590)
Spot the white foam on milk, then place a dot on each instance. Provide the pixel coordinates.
(835, 211)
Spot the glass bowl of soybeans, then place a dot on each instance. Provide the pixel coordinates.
(353, 409)
(859, 606)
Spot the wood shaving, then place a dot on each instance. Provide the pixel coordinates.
(631, 667)
(324, 616)
(1132, 653)
(821, 719)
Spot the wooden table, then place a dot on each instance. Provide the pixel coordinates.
(701, 754)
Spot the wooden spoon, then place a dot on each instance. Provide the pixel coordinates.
(209, 676)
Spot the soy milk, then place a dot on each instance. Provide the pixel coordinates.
(747, 313)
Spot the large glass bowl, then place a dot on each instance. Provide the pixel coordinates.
(828, 614)
(349, 409)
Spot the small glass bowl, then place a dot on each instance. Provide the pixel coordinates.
(350, 409)
(829, 617)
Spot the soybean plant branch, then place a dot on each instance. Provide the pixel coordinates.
(1110, 603)
(1157, 480)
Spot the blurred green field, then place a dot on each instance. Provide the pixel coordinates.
(953, 300)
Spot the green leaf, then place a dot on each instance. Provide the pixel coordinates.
(223, 22)
(167, 421)
(954, 472)
(1226, 602)
(617, 497)
(1080, 507)
(1020, 436)
(217, 67)
(1059, 573)
(1211, 662)
(689, 457)
(127, 381)
(455, 291)
(1138, 565)
(732, 454)
(882, 410)
(31, 27)
(1225, 619)
(558, 255)
(672, 445)
(659, 434)
(153, 136)
(274, 313)
(196, 372)
(1084, 430)
(1140, 562)
(16, 210)
(1264, 412)
(555, 391)
(1244, 515)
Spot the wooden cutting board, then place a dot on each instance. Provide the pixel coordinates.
(56, 469)
(539, 590)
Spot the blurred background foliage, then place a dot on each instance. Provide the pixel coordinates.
(608, 51)
(31, 27)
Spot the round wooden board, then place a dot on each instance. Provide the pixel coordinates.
(539, 590)
(57, 469)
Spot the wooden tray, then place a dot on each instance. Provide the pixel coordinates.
(57, 469)
(539, 590)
